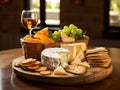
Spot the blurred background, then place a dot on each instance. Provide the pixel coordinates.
(100, 18)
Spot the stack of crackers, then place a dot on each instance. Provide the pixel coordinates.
(98, 57)
(31, 64)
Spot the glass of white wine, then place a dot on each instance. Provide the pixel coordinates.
(29, 19)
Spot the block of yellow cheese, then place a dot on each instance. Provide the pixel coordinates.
(74, 49)
(80, 46)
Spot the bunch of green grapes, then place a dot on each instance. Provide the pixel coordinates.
(71, 31)
(56, 36)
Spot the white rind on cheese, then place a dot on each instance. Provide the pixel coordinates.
(53, 57)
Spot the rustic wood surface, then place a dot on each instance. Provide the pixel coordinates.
(9, 81)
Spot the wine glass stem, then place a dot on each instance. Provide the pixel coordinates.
(30, 32)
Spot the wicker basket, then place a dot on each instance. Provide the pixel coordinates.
(33, 50)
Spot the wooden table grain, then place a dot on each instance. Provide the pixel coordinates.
(9, 81)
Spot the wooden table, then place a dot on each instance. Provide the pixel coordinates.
(8, 79)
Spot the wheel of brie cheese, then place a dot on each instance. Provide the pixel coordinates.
(54, 57)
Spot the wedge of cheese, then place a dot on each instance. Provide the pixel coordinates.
(64, 56)
(79, 58)
(65, 38)
(72, 50)
(59, 71)
(83, 46)
(80, 46)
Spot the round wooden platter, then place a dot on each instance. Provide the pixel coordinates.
(94, 74)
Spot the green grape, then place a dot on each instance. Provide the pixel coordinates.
(59, 35)
(56, 33)
(73, 32)
(72, 35)
(55, 38)
(72, 27)
(79, 31)
(66, 31)
(75, 27)
(59, 31)
(65, 27)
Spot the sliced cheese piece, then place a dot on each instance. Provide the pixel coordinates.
(79, 46)
(78, 62)
(64, 56)
(59, 71)
(78, 59)
(65, 38)
(85, 64)
(80, 56)
(83, 46)
(72, 50)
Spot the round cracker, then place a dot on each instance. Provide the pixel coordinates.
(29, 60)
(75, 69)
(33, 67)
(18, 63)
(43, 68)
(37, 63)
(45, 72)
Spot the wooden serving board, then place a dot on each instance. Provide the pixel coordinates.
(94, 74)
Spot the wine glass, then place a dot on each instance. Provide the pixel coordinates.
(29, 19)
